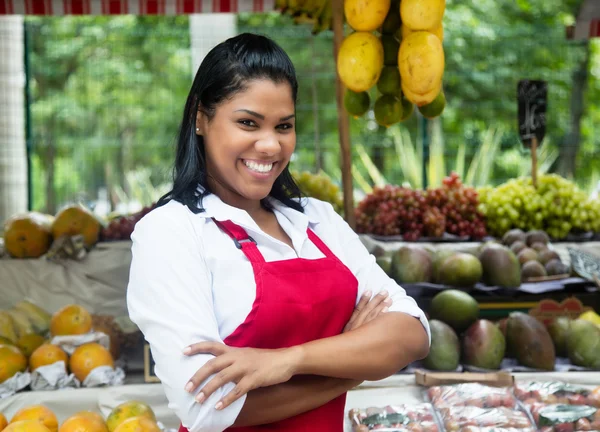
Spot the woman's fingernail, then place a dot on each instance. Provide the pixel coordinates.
(388, 301)
(383, 293)
(367, 294)
(385, 309)
(200, 397)
(187, 350)
(219, 405)
(189, 387)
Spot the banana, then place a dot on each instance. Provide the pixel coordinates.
(21, 322)
(37, 316)
(7, 327)
(324, 20)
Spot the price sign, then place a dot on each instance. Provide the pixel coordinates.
(532, 97)
(149, 375)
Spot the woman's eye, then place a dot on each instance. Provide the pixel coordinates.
(286, 126)
(247, 123)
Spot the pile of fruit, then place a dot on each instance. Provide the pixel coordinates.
(458, 336)
(321, 187)
(396, 46)
(31, 235)
(121, 227)
(557, 207)
(318, 13)
(131, 416)
(398, 418)
(412, 213)
(26, 332)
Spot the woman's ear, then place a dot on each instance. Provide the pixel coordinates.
(199, 122)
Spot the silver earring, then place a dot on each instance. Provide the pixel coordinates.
(197, 129)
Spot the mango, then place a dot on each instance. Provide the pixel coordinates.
(460, 270)
(530, 342)
(559, 330)
(411, 264)
(583, 344)
(483, 345)
(444, 354)
(500, 266)
(456, 308)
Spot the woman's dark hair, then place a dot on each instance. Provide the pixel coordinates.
(225, 71)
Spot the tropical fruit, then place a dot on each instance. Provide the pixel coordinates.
(559, 330)
(583, 344)
(359, 61)
(547, 255)
(82, 424)
(126, 410)
(91, 415)
(444, 354)
(421, 63)
(138, 424)
(460, 270)
(387, 110)
(590, 316)
(3, 422)
(29, 343)
(385, 262)
(411, 264)
(517, 247)
(526, 255)
(407, 108)
(71, 320)
(530, 342)
(47, 354)
(356, 104)
(7, 327)
(366, 15)
(422, 14)
(537, 236)
(12, 361)
(77, 220)
(556, 267)
(438, 257)
(420, 99)
(532, 269)
(435, 108)
(500, 266)
(39, 318)
(513, 235)
(456, 308)
(26, 426)
(28, 235)
(38, 413)
(21, 322)
(483, 345)
(438, 32)
(389, 81)
(88, 357)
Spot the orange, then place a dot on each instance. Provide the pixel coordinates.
(26, 426)
(29, 343)
(138, 424)
(127, 410)
(91, 415)
(3, 421)
(71, 320)
(82, 424)
(88, 357)
(47, 354)
(40, 414)
(12, 361)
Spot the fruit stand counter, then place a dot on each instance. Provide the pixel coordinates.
(398, 389)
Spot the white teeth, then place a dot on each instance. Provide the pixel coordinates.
(258, 167)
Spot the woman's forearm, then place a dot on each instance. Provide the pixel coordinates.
(372, 352)
(300, 394)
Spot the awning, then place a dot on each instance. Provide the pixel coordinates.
(134, 7)
(588, 21)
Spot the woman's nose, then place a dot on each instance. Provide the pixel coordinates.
(268, 144)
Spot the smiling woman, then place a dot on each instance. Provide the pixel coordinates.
(262, 308)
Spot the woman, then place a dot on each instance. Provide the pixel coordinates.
(262, 310)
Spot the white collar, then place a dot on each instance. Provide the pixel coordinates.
(214, 207)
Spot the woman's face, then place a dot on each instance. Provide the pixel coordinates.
(249, 141)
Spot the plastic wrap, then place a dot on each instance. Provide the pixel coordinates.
(471, 394)
(397, 418)
(555, 392)
(14, 384)
(464, 418)
(565, 418)
(53, 377)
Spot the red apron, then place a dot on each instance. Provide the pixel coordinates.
(297, 301)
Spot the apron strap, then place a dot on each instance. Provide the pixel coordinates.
(241, 239)
(319, 243)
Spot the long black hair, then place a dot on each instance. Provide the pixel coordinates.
(225, 71)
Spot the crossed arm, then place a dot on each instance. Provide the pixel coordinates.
(287, 382)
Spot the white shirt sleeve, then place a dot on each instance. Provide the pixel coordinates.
(169, 297)
(370, 276)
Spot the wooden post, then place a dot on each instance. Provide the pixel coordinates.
(343, 120)
(534, 145)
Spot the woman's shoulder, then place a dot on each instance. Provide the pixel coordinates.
(318, 210)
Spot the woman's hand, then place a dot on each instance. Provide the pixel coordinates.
(248, 368)
(368, 309)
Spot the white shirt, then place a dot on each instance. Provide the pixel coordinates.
(189, 283)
